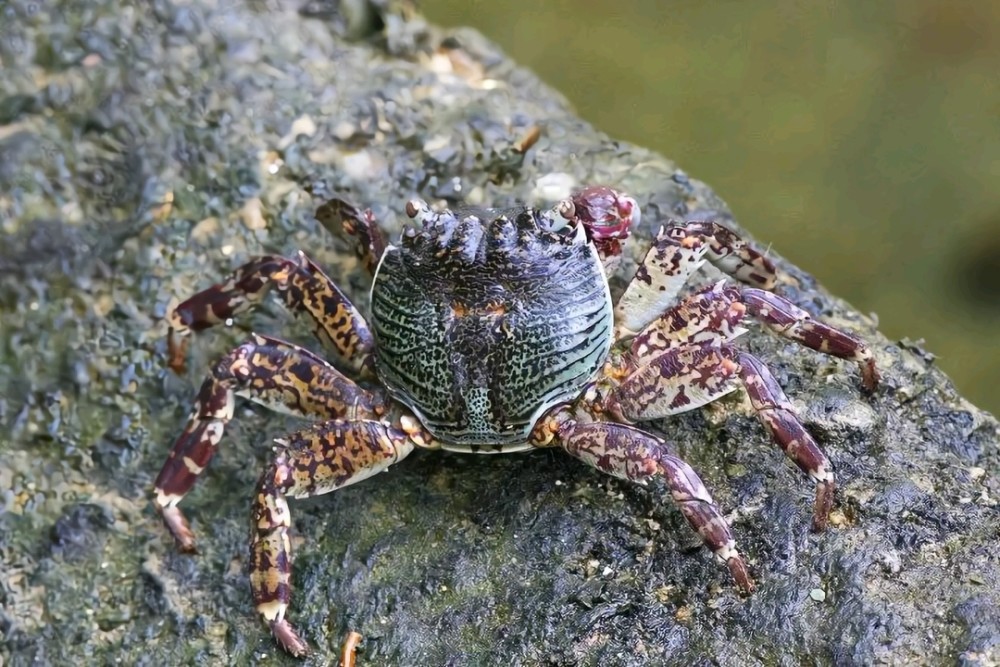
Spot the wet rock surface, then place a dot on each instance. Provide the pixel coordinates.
(146, 151)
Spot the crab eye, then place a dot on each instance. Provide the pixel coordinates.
(419, 211)
(557, 217)
(605, 212)
(629, 212)
(566, 208)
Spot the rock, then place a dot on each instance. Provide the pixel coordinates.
(124, 129)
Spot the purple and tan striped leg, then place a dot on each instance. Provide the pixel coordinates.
(677, 380)
(715, 313)
(788, 320)
(688, 376)
(710, 315)
(628, 453)
(341, 217)
(311, 462)
(781, 421)
(676, 253)
(304, 288)
(268, 371)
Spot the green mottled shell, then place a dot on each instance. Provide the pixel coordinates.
(484, 321)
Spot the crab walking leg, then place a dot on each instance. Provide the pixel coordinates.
(686, 377)
(265, 370)
(715, 313)
(779, 418)
(311, 462)
(628, 453)
(788, 320)
(678, 380)
(304, 288)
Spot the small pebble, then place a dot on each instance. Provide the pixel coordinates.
(817, 594)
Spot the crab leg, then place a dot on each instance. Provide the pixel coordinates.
(788, 320)
(304, 288)
(677, 380)
(659, 279)
(710, 314)
(779, 418)
(677, 252)
(715, 313)
(628, 453)
(686, 377)
(729, 253)
(311, 462)
(268, 371)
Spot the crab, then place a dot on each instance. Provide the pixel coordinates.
(494, 330)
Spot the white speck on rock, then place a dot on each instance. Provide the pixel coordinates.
(553, 187)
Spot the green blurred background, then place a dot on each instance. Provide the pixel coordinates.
(861, 139)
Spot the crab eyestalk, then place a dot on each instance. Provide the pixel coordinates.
(607, 217)
(418, 210)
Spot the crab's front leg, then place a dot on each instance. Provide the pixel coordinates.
(311, 462)
(629, 453)
(728, 252)
(665, 269)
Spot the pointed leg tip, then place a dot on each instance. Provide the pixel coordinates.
(289, 639)
(738, 569)
(178, 526)
(188, 548)
(177, 347)
(870, 377)
(350, 648)
(823, 506)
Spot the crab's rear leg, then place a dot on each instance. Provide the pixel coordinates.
(268, 371)
(303, 287)
(687, 377)
(311, 462)
(629, 453)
